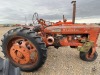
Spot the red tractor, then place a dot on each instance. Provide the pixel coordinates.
(26, 47)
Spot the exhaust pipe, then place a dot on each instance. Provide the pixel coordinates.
(50, 40)
(74, 11)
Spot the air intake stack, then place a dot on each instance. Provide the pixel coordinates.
(74, 11)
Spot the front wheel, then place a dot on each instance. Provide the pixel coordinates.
(86, 56)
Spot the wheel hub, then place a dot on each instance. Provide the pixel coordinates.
(21, 55)
(88, 56)
(23, 52)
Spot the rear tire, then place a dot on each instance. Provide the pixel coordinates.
(32, 38)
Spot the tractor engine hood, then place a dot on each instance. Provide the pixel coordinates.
(71, 29)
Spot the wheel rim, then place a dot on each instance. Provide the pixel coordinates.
(22, 51)
(89, 56)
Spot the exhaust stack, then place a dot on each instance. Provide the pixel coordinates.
(74, 11)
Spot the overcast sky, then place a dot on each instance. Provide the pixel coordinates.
(14, 11)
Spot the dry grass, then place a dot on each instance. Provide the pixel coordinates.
(64, 61)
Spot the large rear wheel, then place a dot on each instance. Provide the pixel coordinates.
(24, 48)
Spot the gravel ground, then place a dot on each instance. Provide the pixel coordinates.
(63, 61)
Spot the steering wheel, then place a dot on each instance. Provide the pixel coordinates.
(37, 21)
(35, 18)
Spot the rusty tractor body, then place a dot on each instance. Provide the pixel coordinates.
(26, 47)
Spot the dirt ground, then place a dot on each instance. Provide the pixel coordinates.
(63, 61)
